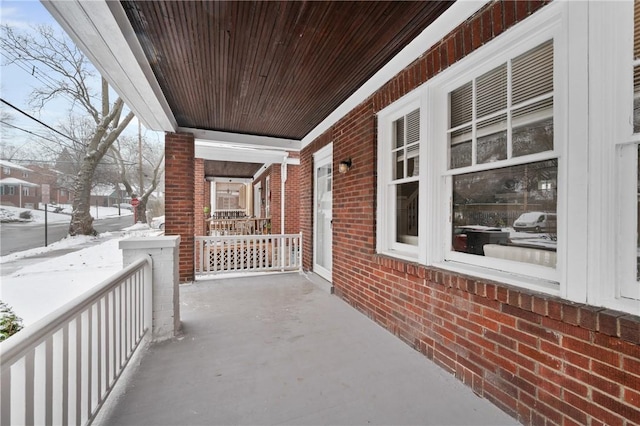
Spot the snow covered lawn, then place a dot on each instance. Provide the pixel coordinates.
(37, 290)
(12, 214)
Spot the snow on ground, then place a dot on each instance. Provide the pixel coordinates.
(9, 213)
(40, 288)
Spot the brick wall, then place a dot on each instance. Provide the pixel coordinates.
(292, 203)
(292, 191)
(539, 358)
(179, 197)
(199, 195)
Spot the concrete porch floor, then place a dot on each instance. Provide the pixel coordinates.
(274, 350)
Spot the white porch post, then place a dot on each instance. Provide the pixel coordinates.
(164, 252)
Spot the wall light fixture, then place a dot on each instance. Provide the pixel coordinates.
(344, 166)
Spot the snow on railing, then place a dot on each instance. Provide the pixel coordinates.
(61, 369)
(248, 253)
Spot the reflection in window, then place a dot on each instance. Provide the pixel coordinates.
(514, 207)
(407, 213)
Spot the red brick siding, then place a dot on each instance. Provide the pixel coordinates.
(292, 205)
(180, 197)
(541, 359)
(199, 185)
(292, 200)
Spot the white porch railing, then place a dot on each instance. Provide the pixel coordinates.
(61, 369)
(248, 253)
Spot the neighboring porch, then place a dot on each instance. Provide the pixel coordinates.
(277, 350)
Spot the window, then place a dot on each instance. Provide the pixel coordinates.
(527, 159)
(399, 161)
(628, 166)
(25, 191)
(6, 170)
(25, 174)
(406, 153)
(503, 200)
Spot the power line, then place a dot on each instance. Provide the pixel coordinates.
(35, 119)
(27, 131)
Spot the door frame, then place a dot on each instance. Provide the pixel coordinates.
(320, 158)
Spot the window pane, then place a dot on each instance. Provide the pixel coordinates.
(492, 140)
(636, 99)
(413, 126)
(492, 91)
(399, 164)
(636, 29)
(461, 105)
(407, 213)
(512, 208)
(460, 148)
(399, 130)
(533, 128)
(532, 73)
(413, 157)
(638, 220)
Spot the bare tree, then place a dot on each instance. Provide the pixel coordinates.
(140, 178)
(69, 75)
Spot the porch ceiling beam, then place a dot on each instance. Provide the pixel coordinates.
(102, 31)
(244, 140)
(237, 154)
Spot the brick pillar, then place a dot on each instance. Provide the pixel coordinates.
(275, 184)
(199, 196)
(179, 151)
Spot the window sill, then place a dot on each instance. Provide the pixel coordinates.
(521, 281)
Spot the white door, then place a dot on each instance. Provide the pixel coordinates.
(323, 214)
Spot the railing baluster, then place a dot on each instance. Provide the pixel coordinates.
(89, 350)
(5, 398)
(29, 377)
(78, 369)
(65, 374)
(48, 381)
(99, 349)
(107, 341)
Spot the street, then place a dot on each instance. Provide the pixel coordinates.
(24, 236)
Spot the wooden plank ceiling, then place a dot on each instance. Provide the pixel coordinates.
(270, 68)
(229, 169)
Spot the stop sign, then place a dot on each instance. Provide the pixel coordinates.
(135, 202)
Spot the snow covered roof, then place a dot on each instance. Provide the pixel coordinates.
(102, 190)
(14, 181)
(5, 163)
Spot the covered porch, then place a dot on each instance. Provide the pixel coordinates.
(278, 350)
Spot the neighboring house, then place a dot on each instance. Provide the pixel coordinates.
(105, 196)
(16, 186)
(480, 105)
(60, 190)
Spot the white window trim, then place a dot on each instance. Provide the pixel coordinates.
(550, 22)
(386, 212)
(612, 189)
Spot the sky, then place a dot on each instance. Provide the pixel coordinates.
(43, 285)
(17, 81)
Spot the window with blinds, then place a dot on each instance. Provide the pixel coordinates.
(504, 113)
(407, 145)
(406, 155)
(636, 67)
